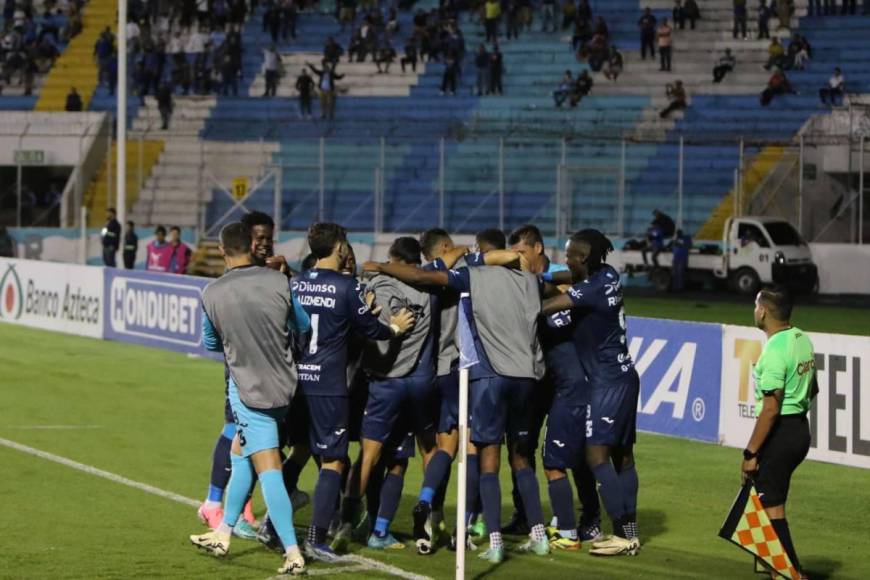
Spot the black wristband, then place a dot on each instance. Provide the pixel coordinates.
(747, 454)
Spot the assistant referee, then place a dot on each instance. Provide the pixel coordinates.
(785, 383)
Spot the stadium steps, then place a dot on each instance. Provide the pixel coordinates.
(97, 195)
(207, 260)
(76, 67)
(760, 166)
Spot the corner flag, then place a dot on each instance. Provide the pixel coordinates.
(748, 526)
(467, 358)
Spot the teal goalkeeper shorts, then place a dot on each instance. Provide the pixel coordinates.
(257, 428)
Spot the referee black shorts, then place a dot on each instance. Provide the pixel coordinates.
(786, 447)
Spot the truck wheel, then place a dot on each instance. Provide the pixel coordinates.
(745, 282)
(661, 279)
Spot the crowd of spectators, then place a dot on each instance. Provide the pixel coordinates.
(32, 36)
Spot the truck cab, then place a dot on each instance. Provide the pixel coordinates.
(765, 250)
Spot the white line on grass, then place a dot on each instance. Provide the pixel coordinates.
(363, 564)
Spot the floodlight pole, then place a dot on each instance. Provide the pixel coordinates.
(121, 115)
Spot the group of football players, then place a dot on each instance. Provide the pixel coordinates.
(327, 355)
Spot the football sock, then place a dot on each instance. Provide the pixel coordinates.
(441, 492)
(239, 488)
(290, 471)
(373, 491)
(587, 493)
(562, 502)
(472, 487)
(611, 492)
(781, 528)
(519, 509)
(220, 464)
(530, 492)
(325, 495)
(539, 533)
(278, 504)
(495, 541)
(436, 472)
(391, 493)
(628, 480)
(490, 496)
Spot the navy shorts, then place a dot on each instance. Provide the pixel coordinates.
(394, 402)
(565, 439)
(499, 407)
(400, 444)
(328, 434)
(612, 415)
(448, 389)
(297, 424)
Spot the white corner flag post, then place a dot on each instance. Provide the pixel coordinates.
(121, 116)
(467, 359)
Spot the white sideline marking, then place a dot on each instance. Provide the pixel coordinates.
(54, 427)
(363, 564)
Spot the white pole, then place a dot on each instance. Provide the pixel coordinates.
(861, 195)
(501, 184)
(83, 235)
(279, 210)
(680, 187)
(322, 180)
(621, 225)
(800, 207)
(441, 170)
(462, 474)
(121, 184)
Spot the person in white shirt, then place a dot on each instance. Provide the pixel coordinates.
(271, 66)
(836, 88)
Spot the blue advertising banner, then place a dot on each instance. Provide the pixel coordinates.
(154, 309)
(680, 368)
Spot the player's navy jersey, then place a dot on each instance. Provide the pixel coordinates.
(335, 303)
(563, 365)
(599, 336)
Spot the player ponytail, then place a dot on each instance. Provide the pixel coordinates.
(599, 247)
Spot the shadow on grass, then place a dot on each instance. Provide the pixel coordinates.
(820, 568)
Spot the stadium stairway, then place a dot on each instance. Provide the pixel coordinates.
(76, 67)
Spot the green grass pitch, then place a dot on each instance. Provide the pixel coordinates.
(152, 416)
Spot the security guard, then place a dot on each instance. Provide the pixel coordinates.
(785, 384)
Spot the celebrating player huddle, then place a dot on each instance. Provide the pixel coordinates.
(318, 358)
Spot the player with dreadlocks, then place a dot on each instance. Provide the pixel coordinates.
(614, 386)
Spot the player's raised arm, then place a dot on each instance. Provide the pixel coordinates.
(557, 304)
(366, 321)
(409, 274)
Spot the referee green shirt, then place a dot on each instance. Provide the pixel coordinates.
(787, 364)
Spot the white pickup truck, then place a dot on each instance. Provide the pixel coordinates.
(754, 251)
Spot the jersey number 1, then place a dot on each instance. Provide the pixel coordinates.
(312, 347)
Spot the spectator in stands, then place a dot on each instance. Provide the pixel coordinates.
(526, 14)
(386, 54)
(777, 85)
(678, 14)
(647, 25)
(664, 222)
(111, 237)
(272, 21)
(836, 88)
(512, 19)
(103, 48)
(784, 10)
(602, 28)
(112, 72)
(764, 13)
(564, 89)
(326, 85)
(596, 52)
(496, 70)
(451, 74)
(332, 51)
(692, 12)
(727, 62)
(179, 258)
(740, 13)
(582, 87)
(492, 9)
(410, 56)
(229, 75)
(569, 13)
(676, 95)
(664, 43)
(73, 101)
(8, 247)
(582, 32)
(548, 15)
(775, 53)
(613, 66)
(288, 19)
(851, 7)
(272, 67)
(481, 67)
(680, 248)
(131, 245)
(392, 26)
(165, 104)
(305, 88)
